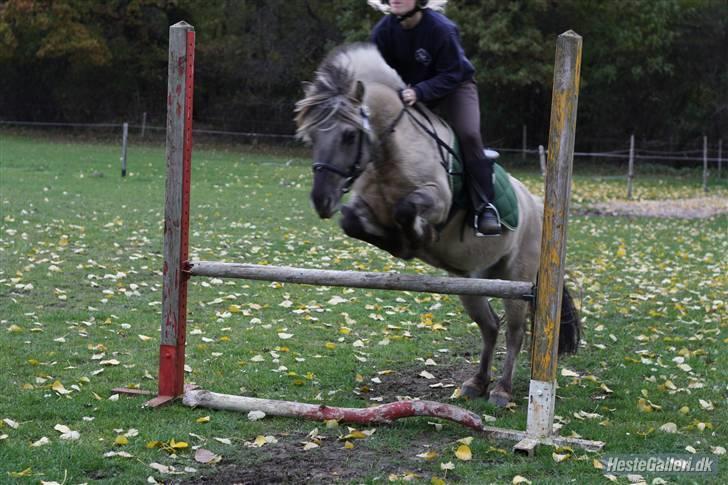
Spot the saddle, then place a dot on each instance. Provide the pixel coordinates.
(451, 159)
(505, 197)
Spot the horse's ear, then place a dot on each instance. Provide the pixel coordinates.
(359, 92)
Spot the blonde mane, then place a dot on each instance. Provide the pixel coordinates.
(437, 5)
(330, 96)
(366, 64)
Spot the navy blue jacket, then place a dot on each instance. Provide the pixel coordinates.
(429, 57)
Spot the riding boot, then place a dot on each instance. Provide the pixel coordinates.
(480, 184)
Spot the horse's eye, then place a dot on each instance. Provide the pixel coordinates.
(347, 137)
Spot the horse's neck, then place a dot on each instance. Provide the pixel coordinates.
(400, 142)
(385, 106)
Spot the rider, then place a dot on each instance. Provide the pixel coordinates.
(423, 46)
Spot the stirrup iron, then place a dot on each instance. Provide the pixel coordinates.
(481, 210)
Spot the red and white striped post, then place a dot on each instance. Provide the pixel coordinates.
(176, 212)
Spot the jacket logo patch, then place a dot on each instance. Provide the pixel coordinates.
(423, 57)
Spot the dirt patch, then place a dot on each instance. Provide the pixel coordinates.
(695, 208)
(371, 459)
(287, 462)
(410, 384)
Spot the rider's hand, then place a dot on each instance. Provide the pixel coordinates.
(409, 96)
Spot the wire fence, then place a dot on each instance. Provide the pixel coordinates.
(709, 155)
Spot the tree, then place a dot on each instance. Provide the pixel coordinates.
(651, 67)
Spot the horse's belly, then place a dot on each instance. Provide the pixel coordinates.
(453, 250)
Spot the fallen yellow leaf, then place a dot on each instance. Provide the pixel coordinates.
(177, 445)
(428, 455)
(355, 435)
(58, 387)
(559, 458)
(463, 453)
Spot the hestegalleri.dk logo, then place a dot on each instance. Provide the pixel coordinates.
(663, 463)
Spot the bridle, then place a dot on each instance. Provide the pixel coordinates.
(357, 168)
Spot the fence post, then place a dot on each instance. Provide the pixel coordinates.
(542, 391)
(124, 139)
(705, 164)
(720, 156)
(525, 142)
(630, 170)
(176, 212)
(542, 160)
(144, 124)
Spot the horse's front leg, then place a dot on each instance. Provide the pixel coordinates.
(358, 222)
(416, 213)
(481, 312)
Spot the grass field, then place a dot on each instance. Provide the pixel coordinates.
(80, 289)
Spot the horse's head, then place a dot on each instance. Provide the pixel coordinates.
(333, 119)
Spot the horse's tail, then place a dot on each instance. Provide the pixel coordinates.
(570, 328)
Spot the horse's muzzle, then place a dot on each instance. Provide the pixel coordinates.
(326, 193)
(324, 209)
(325, 204)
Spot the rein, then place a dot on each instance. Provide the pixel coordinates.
(441, 145)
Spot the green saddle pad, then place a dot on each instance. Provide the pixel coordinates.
(505, 197)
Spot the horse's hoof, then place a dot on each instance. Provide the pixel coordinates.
(470, 392)
(500, 399)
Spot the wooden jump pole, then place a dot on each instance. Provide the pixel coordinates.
(176, 212)
(361, 279)
(545, 339)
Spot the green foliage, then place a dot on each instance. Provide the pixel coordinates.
(651, 67)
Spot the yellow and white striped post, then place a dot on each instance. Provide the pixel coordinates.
(545, 340)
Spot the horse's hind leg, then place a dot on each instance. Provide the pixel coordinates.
(516, 312)
(481, 312)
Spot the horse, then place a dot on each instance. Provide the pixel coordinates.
(367, 142)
